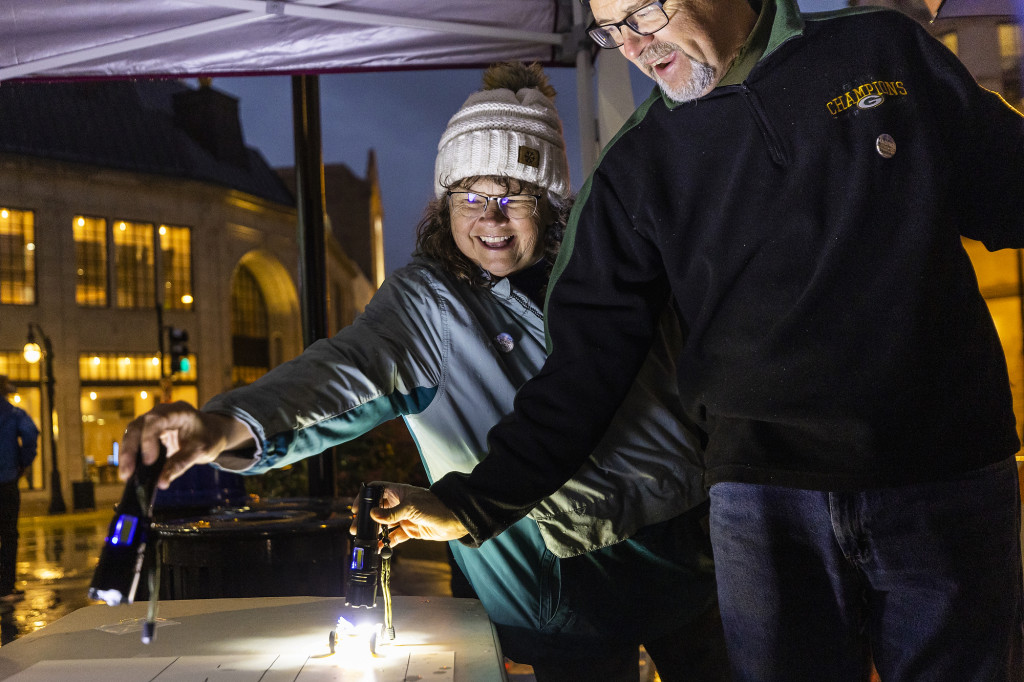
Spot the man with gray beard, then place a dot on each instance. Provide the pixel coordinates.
(797, 189)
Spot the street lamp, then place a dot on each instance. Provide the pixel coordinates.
(33, 353)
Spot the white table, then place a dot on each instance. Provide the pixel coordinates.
(268, 639)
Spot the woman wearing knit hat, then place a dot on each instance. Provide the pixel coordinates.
(616, 558)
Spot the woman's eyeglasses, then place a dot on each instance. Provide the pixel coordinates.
(474, 204)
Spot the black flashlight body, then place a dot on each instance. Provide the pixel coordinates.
(117, 574)
(364, 569)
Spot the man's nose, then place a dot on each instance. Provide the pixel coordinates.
(633, 44)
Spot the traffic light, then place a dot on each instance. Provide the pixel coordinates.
(179, 350)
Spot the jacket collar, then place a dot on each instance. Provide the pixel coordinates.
(778, 21)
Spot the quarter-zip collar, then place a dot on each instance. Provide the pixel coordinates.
(754, 47)
(778, 21)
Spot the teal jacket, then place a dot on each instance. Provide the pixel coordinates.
(448, 359)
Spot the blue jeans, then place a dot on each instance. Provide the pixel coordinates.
(924, 580)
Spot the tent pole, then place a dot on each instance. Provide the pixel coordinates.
(614, 95)
(309, 190)
(585, 94)
(602, 110)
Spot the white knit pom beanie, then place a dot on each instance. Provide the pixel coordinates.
(510, 128)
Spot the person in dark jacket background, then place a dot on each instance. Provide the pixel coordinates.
(799, 186)
(18, 436)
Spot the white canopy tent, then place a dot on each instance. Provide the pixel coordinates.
(104, 38)
(87, 39)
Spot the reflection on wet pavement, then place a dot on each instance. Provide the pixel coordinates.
(56, 558)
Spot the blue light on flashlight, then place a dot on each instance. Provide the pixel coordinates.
(124, 530)
(357, 559)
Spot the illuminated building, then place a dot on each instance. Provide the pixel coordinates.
(127, 207)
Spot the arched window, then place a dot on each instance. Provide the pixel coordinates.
(250, 331)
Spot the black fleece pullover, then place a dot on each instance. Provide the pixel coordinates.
(807, 225)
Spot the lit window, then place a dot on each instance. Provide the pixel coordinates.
(137, 367)
(1010, 56)
(91, 261)
(176, 262)
(104, 418)
(1009, 40)
(136, 273)
(951, 41)
(17, 257)
(250, 342)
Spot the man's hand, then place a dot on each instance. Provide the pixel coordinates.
(414, 513)
(189, 436)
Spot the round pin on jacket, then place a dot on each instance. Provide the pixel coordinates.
(505, 342)
(886, 146)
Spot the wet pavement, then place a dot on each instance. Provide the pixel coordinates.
(56, 558)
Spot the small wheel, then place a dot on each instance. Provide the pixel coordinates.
(379, 640)
(332, 640)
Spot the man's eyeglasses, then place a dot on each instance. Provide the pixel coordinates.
(474, 204)
(644, 21)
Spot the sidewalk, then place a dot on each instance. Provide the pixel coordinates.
(37, 502)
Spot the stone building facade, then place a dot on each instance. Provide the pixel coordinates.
(128, 209)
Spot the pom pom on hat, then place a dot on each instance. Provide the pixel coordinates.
(510, 128)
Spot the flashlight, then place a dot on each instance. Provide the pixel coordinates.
(367, 568)
(364, 569)
(116, 578)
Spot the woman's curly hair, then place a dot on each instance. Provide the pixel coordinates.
(434, 233)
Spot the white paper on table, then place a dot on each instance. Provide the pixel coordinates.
(129, 625)
(95, 670)
(396, 667)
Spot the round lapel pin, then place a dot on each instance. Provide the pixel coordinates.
(505, 342)
(886, 146)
